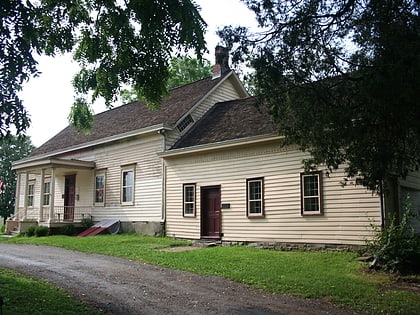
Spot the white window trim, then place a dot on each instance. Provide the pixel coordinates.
(184, 202)
(249, 200)
(304, 212)
(124, 169)
(97, 174)
(31, 183)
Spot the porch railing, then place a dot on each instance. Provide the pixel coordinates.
(60, 214)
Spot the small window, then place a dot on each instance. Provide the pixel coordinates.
(31, 188)
(127, 186)
(188, 120)
(189, 200)
(255, 197)
(311, 193)
(47, 193)
(100, 189)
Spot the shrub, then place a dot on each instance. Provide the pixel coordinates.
(87, 223)
(31, 231)
(41, 231)
(395, 248)
(68, 229)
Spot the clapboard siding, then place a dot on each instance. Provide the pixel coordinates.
(347, 210)
(139, 154)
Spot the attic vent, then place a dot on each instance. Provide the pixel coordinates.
(188, 120)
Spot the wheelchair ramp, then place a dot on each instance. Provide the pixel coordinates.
(110, 225)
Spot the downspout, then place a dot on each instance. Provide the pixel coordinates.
(381, 198)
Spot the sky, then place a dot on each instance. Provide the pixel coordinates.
(48, 97)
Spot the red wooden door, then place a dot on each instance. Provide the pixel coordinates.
(69, 197)
(210, 212)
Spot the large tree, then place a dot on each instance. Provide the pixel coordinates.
(182, 70)
(11, 149)
(114, 42)
(342, 80)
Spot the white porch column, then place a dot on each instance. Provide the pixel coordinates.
(17, 196)
(25, 198)
(52, 191)
(41, 199)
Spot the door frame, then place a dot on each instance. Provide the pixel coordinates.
(203, 216)
(69, 199)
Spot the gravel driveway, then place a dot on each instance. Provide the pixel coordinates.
(119, 286)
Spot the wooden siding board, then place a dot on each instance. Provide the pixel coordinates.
(346, 214)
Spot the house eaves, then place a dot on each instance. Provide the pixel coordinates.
(95, 143)
(51, 162)
(222, 145)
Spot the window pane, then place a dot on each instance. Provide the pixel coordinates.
(99, 188)
(127, 194)
(128, 178)
(255, 207)
(189, 208)
(255, 190)
(189, 193)
(311, 204)
(310, 185)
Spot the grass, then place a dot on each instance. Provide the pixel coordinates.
(24, 295)
(333, 276)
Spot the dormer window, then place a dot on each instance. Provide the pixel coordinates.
(188, 120)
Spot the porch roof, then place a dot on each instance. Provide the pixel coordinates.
(50, 163)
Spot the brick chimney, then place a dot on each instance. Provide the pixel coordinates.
(222, 62)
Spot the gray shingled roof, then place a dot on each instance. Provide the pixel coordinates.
(133, 116)
(228, 121)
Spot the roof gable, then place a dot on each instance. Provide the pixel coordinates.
(228, 121)
(133, 116)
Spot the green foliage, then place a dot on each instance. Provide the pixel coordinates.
(24, 295)
(11, 149)
(68, 229)
(332, 276)
(340, 79)
(41, 231)
(182, 70)
(115, 43)
(87, 223)
(396, 247)
(31, 231)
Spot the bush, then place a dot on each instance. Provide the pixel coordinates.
(395, 248)
(87, 223)
(41, 231)
(68, 229)
(31, 231)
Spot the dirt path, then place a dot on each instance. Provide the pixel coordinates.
(120, 286)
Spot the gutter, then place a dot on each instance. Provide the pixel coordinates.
(85, 145)
(221, 145)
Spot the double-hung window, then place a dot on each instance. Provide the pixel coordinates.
(255, 197)
(31, 191)
(100, 188)
(189, 200)
(127, 185)
(311, 193)
(47, 193)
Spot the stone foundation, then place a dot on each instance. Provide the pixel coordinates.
(144, 227)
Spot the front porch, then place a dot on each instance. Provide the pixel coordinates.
(52, 193)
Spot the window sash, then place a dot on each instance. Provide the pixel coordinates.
(255, 195)
(127, 186)
(189, 199)
(47, 193)
(100, 188)
(31, 188)
(311, 193)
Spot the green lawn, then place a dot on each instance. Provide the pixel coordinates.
(24, 295)
(333, 276)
